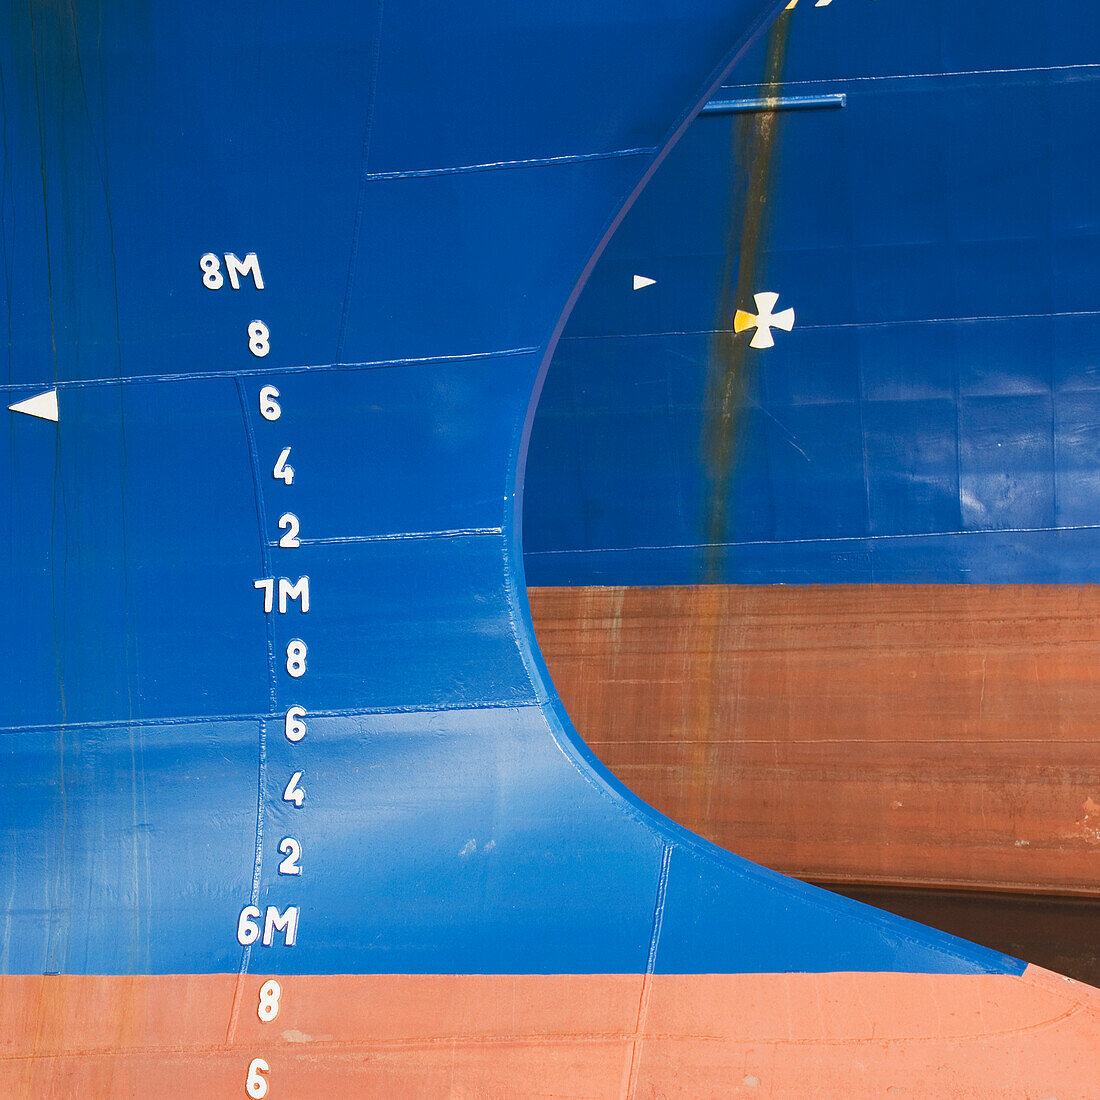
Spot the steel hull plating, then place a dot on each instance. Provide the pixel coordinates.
(918, 447)
(930, 416)
(921, 735)
(836, 1035)
(293, 807)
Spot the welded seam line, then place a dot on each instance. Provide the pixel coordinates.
(256, 372)
(536, 1039)
(261, 520)
(650, 966)
(254, 895)
(261, 779)
(349, 712)
(494, 166)
(838, 325)
(857, 539)
(1092, 67)
(400, 536)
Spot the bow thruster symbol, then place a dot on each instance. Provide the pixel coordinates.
(764, 321)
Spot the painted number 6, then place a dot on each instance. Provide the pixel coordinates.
(256, 1084)
(269, 407)
(294, 727)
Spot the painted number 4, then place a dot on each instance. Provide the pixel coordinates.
(295, 793)
(283, 471)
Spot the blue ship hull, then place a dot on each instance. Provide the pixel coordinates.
(281, 290)
(931, 416)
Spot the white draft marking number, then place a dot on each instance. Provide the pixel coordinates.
(213, 279)
(269, 407)
(296, 658)
(258, 338)
(295, 728)
(268, 1008)
(288, 522)
(256, 1084)
(295, 793)
(292, 850)
(248, 927)
(282, 471)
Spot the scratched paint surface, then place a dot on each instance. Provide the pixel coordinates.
(932, 415)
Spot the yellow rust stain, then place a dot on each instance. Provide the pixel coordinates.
(728, 368)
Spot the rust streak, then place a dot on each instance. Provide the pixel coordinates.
(728, 379)
(728, 375)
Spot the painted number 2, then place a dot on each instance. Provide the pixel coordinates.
(290, 848)
(288, 522)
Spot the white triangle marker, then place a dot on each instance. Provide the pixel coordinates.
(641, 280)
(42, 405)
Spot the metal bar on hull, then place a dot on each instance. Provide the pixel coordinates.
(775, 103)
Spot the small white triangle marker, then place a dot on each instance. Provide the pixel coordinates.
(641, 280)
(43, 405)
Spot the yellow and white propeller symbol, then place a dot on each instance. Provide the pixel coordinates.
(763, 321)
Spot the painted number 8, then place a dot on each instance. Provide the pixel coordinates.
(268, 1009)
(211, 271)
(256, 1084)
(257, 338)
(296, 658)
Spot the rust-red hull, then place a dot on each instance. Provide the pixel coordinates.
(691, 1036)
(917, 734)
